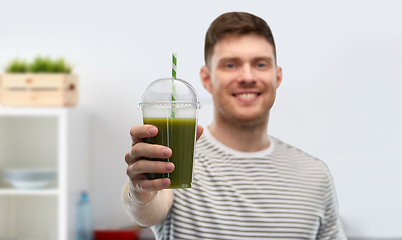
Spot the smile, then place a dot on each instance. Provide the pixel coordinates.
(246, 96)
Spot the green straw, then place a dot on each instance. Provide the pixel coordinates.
(174, 69)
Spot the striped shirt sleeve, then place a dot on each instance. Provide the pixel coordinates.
(331, 225)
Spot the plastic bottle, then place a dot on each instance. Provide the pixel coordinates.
(84, 218)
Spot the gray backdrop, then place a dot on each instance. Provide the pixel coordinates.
(339, 101)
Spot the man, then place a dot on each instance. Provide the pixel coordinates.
(247, 184)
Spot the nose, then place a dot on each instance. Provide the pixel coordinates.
(247, 75)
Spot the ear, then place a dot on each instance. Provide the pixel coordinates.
(205, 76)
(278, 76)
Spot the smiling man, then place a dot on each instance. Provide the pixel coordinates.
(242, 77)
(247, 184)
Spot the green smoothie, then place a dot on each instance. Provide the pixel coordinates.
(179, 135)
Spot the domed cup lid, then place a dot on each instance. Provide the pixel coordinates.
(168, 91)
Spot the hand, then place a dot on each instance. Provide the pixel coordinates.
(138, 167)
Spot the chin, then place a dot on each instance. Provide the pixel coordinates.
(242, 117)
(249, 121)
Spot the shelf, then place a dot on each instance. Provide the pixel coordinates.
(34, 111)
(43, 137)
(33, 192)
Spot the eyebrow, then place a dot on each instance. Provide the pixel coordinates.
(228, 59)
(267, 59)
(236, 59)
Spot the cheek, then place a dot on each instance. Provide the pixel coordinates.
(270, 81)
(220, 90)
(215, 85)
(221, 83)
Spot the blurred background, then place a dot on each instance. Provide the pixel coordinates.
(340, 99)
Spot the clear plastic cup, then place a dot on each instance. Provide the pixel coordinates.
(172, 106)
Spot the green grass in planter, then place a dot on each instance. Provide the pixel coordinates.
(60, 65)
(17, 66)
(39, 65)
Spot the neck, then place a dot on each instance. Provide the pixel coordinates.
(241, 138)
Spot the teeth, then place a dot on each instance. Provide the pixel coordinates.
(246, 95)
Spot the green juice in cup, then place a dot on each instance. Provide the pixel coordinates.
(179, 135)
(172, 106)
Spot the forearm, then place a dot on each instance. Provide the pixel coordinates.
(150, 213)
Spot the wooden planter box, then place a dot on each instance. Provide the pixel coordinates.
(39, 90)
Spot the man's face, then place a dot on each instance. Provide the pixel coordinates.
(242, 78)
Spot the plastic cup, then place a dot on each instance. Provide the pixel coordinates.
(177, 125)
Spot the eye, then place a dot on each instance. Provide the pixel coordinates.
(230, 65)
(261, 65)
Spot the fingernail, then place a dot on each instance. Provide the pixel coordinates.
(169, 166)
(165, 182)
(166, 152)
(152, 131)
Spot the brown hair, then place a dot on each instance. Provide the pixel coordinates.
(235, 23)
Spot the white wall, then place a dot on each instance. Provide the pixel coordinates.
(338, 101)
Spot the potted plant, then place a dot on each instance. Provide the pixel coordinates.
(42, 82)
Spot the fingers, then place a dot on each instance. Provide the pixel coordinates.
(138, 133)
(151, 185)
(146, 166)
(139, 170)
(142, 150)
(200, 130)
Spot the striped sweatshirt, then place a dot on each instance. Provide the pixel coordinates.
(277, 193)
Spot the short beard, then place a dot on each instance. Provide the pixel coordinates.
(243, 124)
